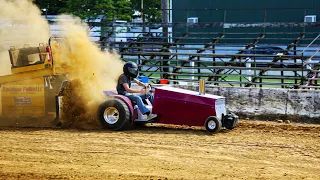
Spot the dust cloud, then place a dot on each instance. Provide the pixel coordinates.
(96, 69)
(20, 23)
(5, 65)
(90, 70)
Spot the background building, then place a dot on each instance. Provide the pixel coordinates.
(226, 12)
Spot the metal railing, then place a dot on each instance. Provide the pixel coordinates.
(224, 51)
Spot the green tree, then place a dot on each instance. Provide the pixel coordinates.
(123, 10)
(50, 7)
(151, 9)
(90, 9)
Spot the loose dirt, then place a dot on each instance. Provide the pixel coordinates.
(254, 150)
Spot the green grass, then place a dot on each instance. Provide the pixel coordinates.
(224, 80)
(237, 79)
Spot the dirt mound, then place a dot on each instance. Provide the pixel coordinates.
(279, 127)
(75, 110)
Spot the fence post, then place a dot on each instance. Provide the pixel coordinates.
(302, 72)
(187, 28)
(295, 61)
(224, 20)
(248, 65)
(265, 20)
(282, 80)
(199, 69)
(240, 72)
(192, 72)
(142, 17)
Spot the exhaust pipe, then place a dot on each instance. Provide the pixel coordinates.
(202, 87)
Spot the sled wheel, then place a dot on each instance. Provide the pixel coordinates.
(114, 114)
(212, 124)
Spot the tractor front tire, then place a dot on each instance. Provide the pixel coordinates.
(212, 124)
(114, 114)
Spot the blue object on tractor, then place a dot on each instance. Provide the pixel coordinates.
(144, 79)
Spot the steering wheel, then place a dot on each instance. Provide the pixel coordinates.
(149, 90)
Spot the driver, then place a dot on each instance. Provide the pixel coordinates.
(130, 72)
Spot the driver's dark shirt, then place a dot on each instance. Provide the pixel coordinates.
(123, 79)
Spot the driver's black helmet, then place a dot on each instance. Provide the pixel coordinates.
(130, 69)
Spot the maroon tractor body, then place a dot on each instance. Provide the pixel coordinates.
(185, 107)
(173, 106)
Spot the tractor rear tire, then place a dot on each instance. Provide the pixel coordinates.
(114, 114)
(212, 124)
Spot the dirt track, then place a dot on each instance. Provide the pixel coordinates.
(255, 150)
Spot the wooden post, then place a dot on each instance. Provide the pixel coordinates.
(202, 85)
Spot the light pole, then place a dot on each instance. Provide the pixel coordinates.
(142, 16)
(45, 10)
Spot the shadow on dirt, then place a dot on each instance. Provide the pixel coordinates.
(171, 129)
(136, 129)
(174, 129)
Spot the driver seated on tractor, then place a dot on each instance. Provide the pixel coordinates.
(130, 72)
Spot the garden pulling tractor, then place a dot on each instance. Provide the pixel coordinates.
(173, 106)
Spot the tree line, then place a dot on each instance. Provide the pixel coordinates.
(109, 9)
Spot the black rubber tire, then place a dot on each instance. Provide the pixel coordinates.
(124, 120)
(230, 127)
(218, 124)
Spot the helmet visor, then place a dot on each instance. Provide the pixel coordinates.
(133, 71)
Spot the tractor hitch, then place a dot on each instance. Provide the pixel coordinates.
(230, 120)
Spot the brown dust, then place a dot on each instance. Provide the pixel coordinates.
(90, 70)
(20, 23)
